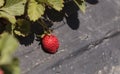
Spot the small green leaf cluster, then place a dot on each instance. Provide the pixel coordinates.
(32, 10)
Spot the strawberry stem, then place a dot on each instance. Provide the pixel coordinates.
(13, 26)
(45, 28)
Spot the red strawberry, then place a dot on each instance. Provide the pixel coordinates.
(1, 71)
(50, 43)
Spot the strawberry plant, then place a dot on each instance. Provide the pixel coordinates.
(16, 17)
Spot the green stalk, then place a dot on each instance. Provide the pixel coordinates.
(42, 23)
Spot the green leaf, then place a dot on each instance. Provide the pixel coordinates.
(14, 7)
(8, 17)
(1, 3)
(12, 68)
(11, 9)
(35, 10)
(81, 4)
(8, 45)
(22, 28)
(56, 4)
